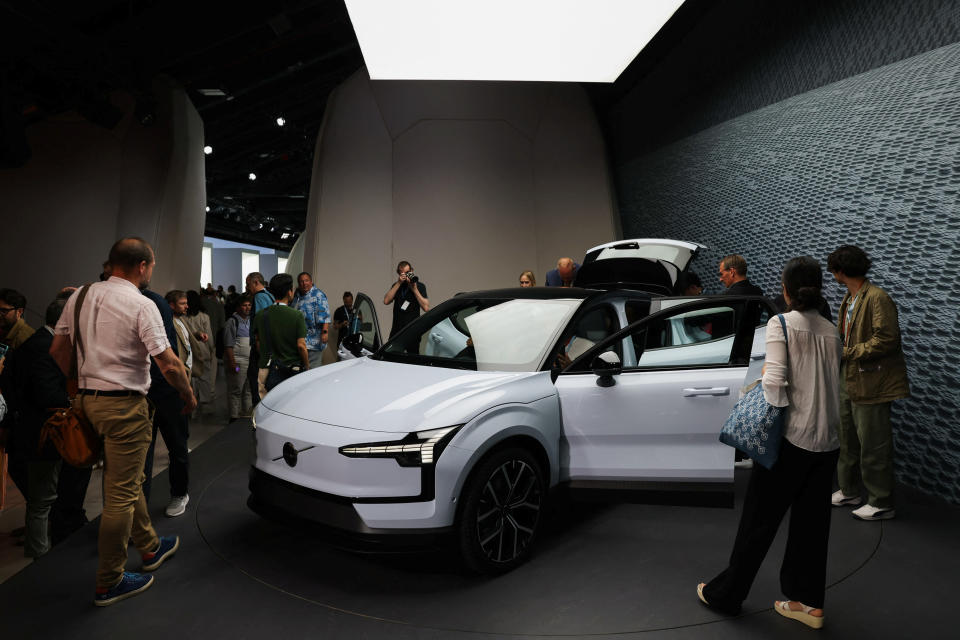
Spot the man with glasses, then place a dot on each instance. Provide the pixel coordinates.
(14, 330)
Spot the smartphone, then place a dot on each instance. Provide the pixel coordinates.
(3, 350)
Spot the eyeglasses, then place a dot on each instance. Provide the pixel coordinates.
(6, 310)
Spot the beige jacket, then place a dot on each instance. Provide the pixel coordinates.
(876, 369)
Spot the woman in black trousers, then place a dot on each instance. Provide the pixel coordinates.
(801, 481)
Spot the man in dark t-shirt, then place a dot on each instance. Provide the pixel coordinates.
(343, 317)
(732, 271)
(408, 296)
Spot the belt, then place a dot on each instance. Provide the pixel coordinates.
(124, 393)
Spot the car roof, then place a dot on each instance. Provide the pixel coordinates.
(545, 293)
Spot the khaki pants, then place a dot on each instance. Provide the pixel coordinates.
(866, 449)
(126, 424)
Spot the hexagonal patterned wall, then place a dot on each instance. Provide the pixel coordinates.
(872, 160)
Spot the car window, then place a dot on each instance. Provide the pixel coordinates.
(594, 326)
(687, 338)
(486, 335)
(365, 318)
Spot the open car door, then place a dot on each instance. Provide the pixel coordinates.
(363, 332)
(651, 423)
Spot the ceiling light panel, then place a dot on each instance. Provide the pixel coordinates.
(525, 40)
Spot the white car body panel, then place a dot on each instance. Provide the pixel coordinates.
(650, 430)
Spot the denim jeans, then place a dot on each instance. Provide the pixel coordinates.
(41, 494)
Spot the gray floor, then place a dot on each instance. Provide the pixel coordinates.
(601, 570)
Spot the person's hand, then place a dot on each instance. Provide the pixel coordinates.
(204, 337)
(189, 402)
(763, 369)
(1, 363)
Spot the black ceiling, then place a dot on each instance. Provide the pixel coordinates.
(269, 59)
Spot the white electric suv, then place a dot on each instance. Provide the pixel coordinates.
(467, 419)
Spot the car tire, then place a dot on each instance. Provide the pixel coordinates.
(502, 511)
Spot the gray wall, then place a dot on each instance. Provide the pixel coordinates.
(86, 186)
(871, 159)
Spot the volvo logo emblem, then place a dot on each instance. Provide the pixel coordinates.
(291, 453)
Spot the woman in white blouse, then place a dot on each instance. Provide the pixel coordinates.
(802, 479)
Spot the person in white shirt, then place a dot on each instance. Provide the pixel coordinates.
(801, 481)
(119, 331)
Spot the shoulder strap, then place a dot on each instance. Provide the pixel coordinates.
(783, 323)
(78, 340)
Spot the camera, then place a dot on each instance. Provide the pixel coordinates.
(412, 277)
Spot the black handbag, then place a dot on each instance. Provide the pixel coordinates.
(277, 372)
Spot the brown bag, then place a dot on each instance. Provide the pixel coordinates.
(74, 437)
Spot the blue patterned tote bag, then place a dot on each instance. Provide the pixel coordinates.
(755, 426)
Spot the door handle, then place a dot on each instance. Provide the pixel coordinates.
(758, 356)
(706, 391)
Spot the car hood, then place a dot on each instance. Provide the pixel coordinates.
(376, 395)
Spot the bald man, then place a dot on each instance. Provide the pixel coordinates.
(564, 274)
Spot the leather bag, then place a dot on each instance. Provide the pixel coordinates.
(75, 439)
(755, 426)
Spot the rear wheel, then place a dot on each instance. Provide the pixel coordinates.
(502, 511)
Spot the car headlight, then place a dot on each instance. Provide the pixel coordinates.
(416, 449)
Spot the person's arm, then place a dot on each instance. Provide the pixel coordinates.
(421, 299)
(392, 293)
(884, 331)
(176, 374)
(304, 354)
(229, 359)
(47, 386)
(61, 351)
(775, 368)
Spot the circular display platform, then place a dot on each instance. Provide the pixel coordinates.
(597, 569)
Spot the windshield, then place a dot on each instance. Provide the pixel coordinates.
(485, 335)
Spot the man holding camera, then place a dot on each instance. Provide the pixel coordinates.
(408, 295)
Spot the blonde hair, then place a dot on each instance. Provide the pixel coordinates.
(529, 274)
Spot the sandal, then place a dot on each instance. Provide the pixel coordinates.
(803, 615)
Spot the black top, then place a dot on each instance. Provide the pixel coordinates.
(744, 288)
(159, 387)
(342, 315)
(404, 316)
(38, 386)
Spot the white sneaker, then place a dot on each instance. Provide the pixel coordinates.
(869, 512)
(746, 463)
(177, 506)
(840, 499)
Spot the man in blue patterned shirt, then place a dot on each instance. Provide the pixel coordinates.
(312, 303)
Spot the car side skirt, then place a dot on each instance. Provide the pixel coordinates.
(694, 494)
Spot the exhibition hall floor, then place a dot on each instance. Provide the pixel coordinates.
(600, 570)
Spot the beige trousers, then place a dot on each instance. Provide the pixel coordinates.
(126, 424)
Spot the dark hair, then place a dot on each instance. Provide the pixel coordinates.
(244, 298)
(803, 280)
(303, 273)
(193, 303)
(173, 296)
(345, 294)
(849, 260)
(54, 311)
(280, 285)
(127, 253)
(231, 289)
(736, 262)
(13, 298)
(402, 264)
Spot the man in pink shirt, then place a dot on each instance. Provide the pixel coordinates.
(120, 330)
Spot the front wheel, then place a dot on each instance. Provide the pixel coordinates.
(502, 507)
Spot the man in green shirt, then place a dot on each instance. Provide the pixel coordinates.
(286, 342)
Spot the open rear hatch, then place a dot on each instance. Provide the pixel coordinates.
(647, 264)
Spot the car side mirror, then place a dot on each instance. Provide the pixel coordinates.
(605, 366)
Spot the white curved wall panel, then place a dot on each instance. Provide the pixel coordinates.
(470, 182)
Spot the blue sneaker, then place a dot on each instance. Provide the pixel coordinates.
(130, 585)
(168, 546)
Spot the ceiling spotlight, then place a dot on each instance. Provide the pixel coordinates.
(208, 149)
(252, 176)
(284, 235)
(260, 226)
(281, 121)
(208, 208)
(273, 229)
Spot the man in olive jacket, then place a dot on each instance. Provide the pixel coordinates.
(873, 375)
